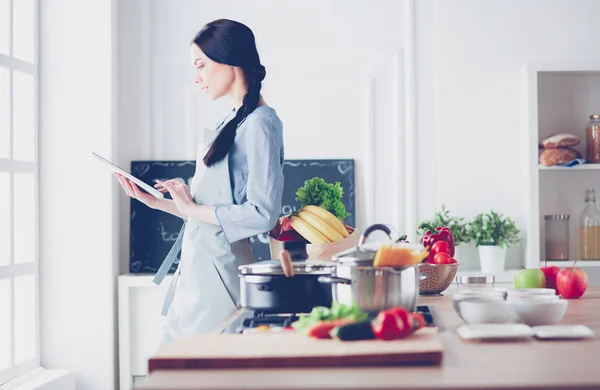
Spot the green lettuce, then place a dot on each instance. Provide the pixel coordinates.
(337, 311)
(318, 192)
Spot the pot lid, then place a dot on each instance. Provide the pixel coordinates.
(364, 253)
(273, 267)
(360, 255)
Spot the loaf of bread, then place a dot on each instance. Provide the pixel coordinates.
(561, 140)
(550, 157)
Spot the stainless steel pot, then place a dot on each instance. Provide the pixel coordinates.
(354, 279)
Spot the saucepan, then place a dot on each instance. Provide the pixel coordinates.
(354, 279)
(287, 286)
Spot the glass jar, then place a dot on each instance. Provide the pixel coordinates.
(557, 236)
(475, 281)
(589, 228)
(592, 137)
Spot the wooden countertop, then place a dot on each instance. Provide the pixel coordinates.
(531, 364)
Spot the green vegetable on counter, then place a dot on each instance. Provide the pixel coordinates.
(318, 192)
(337, 311)
(360, 330)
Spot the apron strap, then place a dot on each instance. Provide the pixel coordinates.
(164, 270)
(170, 294)
(170, 259)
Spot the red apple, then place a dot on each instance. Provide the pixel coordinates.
(550, 274)
(571, 282)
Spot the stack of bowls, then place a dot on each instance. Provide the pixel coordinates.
(533, 307)
(481, 305)
(537, 306)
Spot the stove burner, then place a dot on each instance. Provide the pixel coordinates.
(253, 319)
(261, 318)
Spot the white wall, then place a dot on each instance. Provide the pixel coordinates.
(78, 262)
(469, 56)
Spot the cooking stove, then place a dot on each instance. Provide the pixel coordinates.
(249, 319)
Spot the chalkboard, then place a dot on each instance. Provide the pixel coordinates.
(153, 232)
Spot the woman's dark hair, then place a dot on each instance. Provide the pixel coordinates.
(232, 43)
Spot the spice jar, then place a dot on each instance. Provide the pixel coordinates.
(592, 134)
(557, 237)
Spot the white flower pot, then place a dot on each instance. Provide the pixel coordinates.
(458, 252)
(492, 258)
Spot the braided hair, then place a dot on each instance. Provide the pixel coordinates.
(232, 43)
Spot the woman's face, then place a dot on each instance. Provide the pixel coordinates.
(215, 79)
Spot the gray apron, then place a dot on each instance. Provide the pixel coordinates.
(205, 289)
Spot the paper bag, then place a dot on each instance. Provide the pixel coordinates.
(320, 252)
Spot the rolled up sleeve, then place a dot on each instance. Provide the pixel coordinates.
(264, 188)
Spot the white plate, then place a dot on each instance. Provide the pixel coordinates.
(563, 332)
(494, 331)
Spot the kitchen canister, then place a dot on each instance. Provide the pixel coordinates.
(557, 236)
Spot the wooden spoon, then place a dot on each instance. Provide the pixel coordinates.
(286, 263)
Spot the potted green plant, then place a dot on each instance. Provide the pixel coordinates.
(493, 234)
(457, 225)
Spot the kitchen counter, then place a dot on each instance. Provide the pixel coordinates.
(530, 364)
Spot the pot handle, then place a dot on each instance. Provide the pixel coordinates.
(333, 280)
(257, 279)
(423, 277)
(387, 229)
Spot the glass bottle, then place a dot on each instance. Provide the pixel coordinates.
(592, 139)
(589, 228)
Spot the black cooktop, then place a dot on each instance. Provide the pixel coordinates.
(251, 319)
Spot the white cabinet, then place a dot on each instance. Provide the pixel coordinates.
(140, 322)
(557, 98)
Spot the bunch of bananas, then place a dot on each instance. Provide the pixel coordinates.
(318, 225)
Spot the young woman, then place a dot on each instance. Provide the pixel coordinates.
(235, 192)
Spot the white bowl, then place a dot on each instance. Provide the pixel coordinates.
(531, 291)
(482, 290)
(532, 297)
(539, 312)
(490, 311)
(475, 296)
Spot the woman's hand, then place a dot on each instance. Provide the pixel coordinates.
(132, 190)
(180, 193)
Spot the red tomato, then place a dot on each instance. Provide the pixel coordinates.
(443, 258)
(439, 247)
(418, 321)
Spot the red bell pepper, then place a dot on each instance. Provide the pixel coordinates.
(433, 235)
(392, 324)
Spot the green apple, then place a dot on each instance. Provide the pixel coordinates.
(530, 278)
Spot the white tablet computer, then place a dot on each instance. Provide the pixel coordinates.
(146, 187)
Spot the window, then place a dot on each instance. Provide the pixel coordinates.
(19, 329)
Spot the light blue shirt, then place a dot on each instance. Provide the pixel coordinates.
(256, 176)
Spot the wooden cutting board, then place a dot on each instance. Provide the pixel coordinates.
(291, 349)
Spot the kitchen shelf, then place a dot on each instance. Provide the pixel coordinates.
(557, 97)
(582, 167)
(569, 263)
